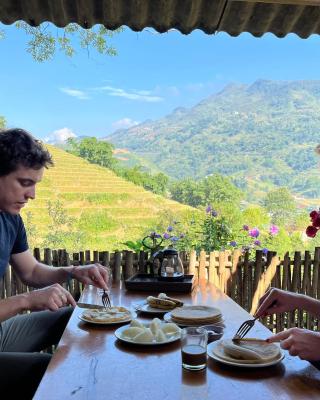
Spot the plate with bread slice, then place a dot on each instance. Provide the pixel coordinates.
(157, 305)
(245, 353)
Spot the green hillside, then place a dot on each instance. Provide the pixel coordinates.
(262, 135)
(107, 209)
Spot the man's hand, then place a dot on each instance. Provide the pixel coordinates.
(299, 342)
(49, 298)
(93, 274)
(277, 301)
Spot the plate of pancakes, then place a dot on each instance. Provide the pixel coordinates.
(245, 353)
(194, 315)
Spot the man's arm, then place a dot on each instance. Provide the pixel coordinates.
(36, 274)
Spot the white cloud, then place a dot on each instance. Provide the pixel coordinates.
(79, 94)
(60, 136)
(167, 91)
(124, 123)
(140, 95)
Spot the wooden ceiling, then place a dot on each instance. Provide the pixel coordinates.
(301, 17)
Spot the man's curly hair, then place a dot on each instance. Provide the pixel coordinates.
(18, 148)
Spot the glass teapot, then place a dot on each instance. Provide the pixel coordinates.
(168, 264)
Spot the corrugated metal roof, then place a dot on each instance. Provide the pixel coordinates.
(234, 17)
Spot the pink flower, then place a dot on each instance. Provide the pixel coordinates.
(245, 227)
(254, 232)
(274, 230)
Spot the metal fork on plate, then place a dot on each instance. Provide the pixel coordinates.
(106, 299)
(244, 329)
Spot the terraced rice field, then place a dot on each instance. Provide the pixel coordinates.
(106, 208)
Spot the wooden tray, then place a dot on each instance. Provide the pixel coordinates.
(149, 283)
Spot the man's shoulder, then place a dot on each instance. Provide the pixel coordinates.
(14, 219)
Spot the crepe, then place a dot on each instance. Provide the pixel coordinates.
(113, 314)
(246, 351)
(196, 315)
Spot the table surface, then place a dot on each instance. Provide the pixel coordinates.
(90, 363)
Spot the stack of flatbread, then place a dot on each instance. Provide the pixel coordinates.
(196, 315)
(109, 315)
(247, 351)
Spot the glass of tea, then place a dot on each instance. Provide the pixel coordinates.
(194, 348)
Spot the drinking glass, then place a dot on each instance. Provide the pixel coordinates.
(194, 348)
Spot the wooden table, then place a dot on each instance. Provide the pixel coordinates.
(90, 363)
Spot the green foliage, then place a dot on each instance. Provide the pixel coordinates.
(280, 204)
(62, 231)
(255, 216)
(32, 231)
(215, 233)
(135, 246)
(96, 221)
(94, 150)
(156, 183)
(45, 40)
(216, 190)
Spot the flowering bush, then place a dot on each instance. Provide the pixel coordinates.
(250, 239)
(312, 230)
(156, 241)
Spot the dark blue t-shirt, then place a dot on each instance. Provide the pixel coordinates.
(13, 238)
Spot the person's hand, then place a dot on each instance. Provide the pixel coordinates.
(49, 298)
(277, 301)
(93, 274)
(299, 342)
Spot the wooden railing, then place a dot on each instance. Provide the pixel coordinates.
(244, 279)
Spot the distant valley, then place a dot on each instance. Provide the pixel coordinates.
(262, 135)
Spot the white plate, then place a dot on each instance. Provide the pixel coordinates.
(145, 308)
(132, 316)
(167, 318)
(119, 331)
(239, 364)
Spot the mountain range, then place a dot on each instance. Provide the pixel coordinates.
(262, 135)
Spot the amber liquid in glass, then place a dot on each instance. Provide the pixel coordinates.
(194, 357)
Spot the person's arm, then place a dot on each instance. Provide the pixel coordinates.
(50, 298)
(299, 342)
(36, 274)
(277, 301)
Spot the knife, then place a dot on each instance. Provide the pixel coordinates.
(91, 306)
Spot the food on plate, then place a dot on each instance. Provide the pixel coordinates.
(196, 315)
(144, 336)
(248, 351)
(155, 325)
(109, 315)
(160, 303)
(160, 336)
(132, 331)
(155, 332)
(136, 323)
(170, 328)
(163, 302)
(178, 302)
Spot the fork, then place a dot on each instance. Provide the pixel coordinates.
(244, 329)
(106, 299)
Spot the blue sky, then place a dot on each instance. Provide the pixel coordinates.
(151, 76)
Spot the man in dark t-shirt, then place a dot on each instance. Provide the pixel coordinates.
(22, 337)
